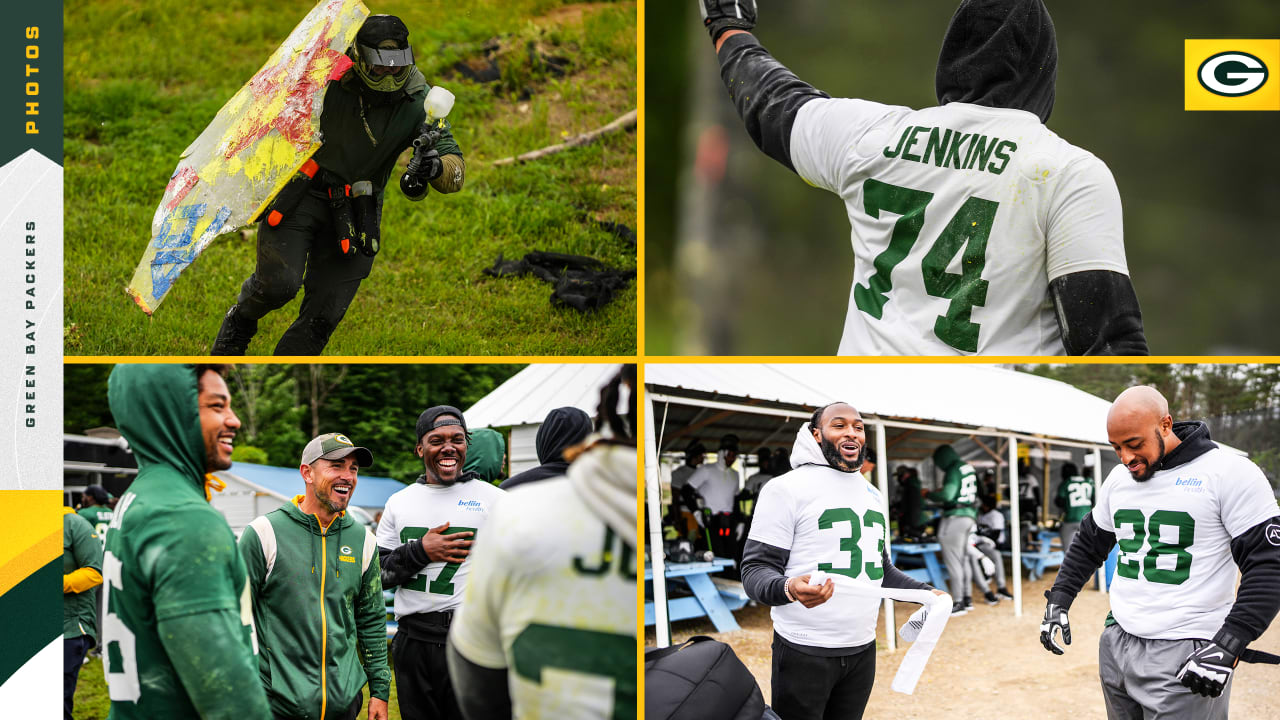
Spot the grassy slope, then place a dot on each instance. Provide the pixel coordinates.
(142, 82)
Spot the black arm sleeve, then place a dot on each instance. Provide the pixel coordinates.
(895, 578)
(766, 93)
(481, 692)
(1098, 314)
(1258, 598)
(1088, 551)
(762, 572)
(401, 564)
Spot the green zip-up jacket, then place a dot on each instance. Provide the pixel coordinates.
(318, 607)
(959, 493)
(177, 639)
(80, 549)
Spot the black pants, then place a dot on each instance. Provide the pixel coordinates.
(422, 676)
(73, 652)
(302, 252)
(352, 712)
(808, 687)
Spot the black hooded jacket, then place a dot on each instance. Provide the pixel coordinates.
(562, 428)
(1000, 53)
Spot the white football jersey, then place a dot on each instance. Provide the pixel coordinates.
(552, 595)
(961, 216)
(408, 515)
(831, 521)
(1175, 577)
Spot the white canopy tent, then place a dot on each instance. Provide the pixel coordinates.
(522, 403)
(937, 400)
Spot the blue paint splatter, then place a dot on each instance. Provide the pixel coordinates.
(166, 238)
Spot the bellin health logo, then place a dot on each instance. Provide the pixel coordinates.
(1232, 74)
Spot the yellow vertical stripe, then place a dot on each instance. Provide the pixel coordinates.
(35, 540)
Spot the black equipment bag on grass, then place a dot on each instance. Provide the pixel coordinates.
(700, 680)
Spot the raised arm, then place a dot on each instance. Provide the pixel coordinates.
(767, 95)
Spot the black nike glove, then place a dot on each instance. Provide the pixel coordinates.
(431, 168)
(1207, 670)
(1055, 620)
(721, 15)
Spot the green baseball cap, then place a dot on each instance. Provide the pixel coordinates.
(335, 446)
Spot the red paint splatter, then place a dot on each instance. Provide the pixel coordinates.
(185, 179)
(294, 79)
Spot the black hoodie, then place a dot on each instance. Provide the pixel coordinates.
(999, 53)
(562, 428)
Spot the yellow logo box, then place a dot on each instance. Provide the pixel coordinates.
(1232, 74)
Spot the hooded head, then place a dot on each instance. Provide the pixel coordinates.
(383, 57)
(563, 427)
(1069, 470)
(1000, 53)
(170, 420)
(486, 454)
(945, 457)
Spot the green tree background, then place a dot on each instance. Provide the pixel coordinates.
(773, 274)
(281, 407)
(1240, 403)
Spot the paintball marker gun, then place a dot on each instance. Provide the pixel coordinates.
(437, 104)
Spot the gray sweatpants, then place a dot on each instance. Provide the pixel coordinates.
(987, 546)
(953, 535)
(1066, 531)
(1138, 680)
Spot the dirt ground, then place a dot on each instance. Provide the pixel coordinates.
(990, 664)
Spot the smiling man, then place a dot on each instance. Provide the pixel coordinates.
(178, 638)
(1185, 514)
(317, 594)
(424, 540)
(822, 516)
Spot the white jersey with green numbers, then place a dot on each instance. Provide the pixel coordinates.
(831, 521)
(408, 515)
(552, 598)
(1175, 577)
(961, 216)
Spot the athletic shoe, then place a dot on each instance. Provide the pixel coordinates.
(1004, 593)
(991, 598)
(958, 609)
(235, 334)
(968, 603)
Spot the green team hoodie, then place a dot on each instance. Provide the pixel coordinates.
(318, 607)
(1075, 497)
(959, 493)
(177, 639)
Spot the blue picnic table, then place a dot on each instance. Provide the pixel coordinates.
(1044, 557)
(933, 572)
(709, 600)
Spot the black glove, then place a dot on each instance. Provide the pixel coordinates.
(1207, 670)
(1055, 620)
(431, 168)
(721, 15)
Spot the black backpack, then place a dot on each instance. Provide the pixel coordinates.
(700, 679)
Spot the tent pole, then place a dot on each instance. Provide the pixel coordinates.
(652, 492)
(1097, 489)
(1015, 526)
(882, 480)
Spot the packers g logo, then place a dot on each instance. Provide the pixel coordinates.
(1231, 75)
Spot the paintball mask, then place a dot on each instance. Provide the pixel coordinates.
(382, 52)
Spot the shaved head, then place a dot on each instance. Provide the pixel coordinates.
(1140, 430)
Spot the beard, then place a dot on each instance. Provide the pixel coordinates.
(835, 460)
(1151, 467)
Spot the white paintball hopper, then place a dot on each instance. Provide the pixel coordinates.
(254, 145)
